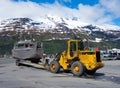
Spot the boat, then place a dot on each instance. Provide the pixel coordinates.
(27, 50)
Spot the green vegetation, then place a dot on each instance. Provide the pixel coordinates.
(7, 40)
(55, 46)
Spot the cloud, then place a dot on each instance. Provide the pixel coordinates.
(103, 12)
(111, 6)
(90, 13)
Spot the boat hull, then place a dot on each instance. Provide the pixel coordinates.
(27, 53)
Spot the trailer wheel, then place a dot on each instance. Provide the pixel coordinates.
(18, 62)
(77, 68)
(54, 67)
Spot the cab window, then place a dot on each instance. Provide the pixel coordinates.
(73, 46)
(80, 46)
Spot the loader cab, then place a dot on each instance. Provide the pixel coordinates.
(74, 46)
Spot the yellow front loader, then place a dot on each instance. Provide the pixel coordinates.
(77, 59)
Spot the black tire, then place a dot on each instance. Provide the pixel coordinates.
(90, 72)
(77, 68)
(54, 67)
(18, 63)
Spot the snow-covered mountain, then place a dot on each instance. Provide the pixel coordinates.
(48, 23)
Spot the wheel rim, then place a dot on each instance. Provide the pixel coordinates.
(76, 68)
(53, 67)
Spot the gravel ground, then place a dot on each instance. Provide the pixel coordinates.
(12, 76)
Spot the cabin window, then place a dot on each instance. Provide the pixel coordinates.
(26, 45)
(20, 45)
(31, 45)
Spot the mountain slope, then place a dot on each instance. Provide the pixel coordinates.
(55, 31)
(54, 24)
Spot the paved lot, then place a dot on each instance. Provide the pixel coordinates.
(12, 76)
